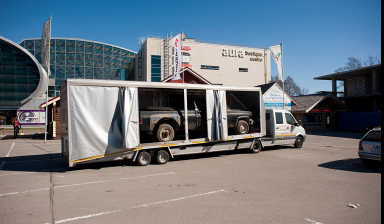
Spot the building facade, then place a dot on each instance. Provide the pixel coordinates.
(362, 87)
(82, 59)
(362, 95)
(21, 78)
(222, 64)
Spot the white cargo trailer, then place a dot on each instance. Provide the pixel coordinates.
(100, 120)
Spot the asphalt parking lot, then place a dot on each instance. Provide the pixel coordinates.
(315, 184)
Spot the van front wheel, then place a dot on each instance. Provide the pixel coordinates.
(299, 142)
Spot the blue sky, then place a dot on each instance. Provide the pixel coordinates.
(318, 36)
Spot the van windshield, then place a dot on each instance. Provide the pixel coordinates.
(290, 119)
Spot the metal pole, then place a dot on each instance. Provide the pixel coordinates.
(49, 71)
(282, 71)
(181, 43)
(265, 66)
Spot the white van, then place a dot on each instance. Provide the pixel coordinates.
(282, 129)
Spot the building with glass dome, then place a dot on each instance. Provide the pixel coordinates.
(22, 77)
(83, 59)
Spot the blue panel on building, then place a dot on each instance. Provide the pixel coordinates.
(359, 121)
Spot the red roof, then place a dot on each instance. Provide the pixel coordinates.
(176, 81)
(50, 101)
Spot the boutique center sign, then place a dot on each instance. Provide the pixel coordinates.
(254, 56)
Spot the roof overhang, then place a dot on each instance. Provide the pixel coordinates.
(62, 38)
(51, 101)
(329, 95)
(192, 73)
(354, 72)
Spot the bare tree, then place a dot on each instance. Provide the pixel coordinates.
(304, 91)
(372, 61)
(354, 63)
(290, 87)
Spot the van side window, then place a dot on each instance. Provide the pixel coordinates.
(279, 118)
(290, 119)
(267, 116)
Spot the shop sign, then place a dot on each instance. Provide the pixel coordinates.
(186, 48)
(273, 99)
(31, 117)
(240, 54)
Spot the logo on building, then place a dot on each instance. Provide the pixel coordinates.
(240, 54)
(233, 53)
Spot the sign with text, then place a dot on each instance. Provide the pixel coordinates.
(273, 99)
(31, 117)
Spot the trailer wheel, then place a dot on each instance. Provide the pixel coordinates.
(162, 157)
(143, 159)
(256, 147)
(165, 133)
(242, 127)
(299, 142)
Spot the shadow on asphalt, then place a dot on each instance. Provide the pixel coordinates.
(338, 134)
(26, 136)
(353, 165)
(55, 163)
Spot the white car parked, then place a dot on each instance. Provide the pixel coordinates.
(370, 146)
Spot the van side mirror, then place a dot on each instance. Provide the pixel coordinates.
(300, 123)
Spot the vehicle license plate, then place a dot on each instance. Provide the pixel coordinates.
(376, 149)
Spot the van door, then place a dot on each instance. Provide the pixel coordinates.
(291, 132)
(280, 129)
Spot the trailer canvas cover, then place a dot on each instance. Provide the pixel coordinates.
(101, 118)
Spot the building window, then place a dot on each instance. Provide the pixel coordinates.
(313, 119)
(210, 67)
(243, 69)
(155, 68)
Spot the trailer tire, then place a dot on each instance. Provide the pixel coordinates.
(299, 142)
(256, 147)
(143, 159)
(242, 127)
(165, 133)
(162, 157)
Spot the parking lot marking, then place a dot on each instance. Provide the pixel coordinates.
(94, 182)
(9, 152)
(302, 154)
(313, 221)
(35, 172)
(139, 206)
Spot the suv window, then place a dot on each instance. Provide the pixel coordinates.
(374, 136)
(290, 119)
(279, 118)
